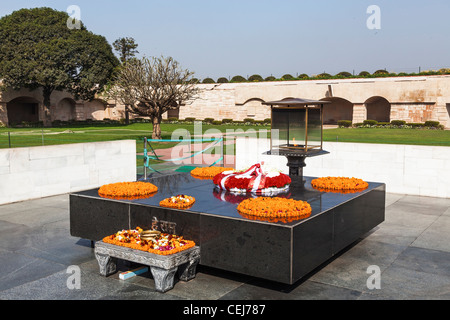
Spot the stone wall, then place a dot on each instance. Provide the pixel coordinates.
(406, 169)
(413, 99)
(63, 106)
(35, 172)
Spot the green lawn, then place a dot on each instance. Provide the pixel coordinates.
(389, 136)
(22, 137)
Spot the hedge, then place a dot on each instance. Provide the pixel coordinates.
(344, 123)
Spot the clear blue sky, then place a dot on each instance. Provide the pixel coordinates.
(226, 38)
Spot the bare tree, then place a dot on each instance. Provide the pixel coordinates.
(151, 87)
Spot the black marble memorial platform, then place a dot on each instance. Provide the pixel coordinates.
(279, 251)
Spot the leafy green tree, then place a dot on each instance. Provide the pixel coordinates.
(255, 78)
(39, 50)
(208, 80)
(324, 75)
(344, 74)
(238, 78)
(222, 80)
(126, 47)
(287, 77)
(381, 72)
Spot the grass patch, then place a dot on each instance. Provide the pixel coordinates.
(25, 137)
(389, 136)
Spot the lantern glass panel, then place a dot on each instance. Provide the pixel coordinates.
(280, 125)
(288, 128)
(314, 132)
(297, 128)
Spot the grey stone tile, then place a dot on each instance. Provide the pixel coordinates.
(447, 212)
(437, 236)
(404, 216)
(350, 270)
(58, 201)
(14, 236)
(66, 253)
(422, 205)
(92, 287)
(392, 198)
(33, 217)
(7, 227)
(54, 243)
(424, 260)
(306, 290)
(399, 283)
(208, 285)
(137, 292)
(395, 234)
(13, 207)
(425, 201)
(18, 269)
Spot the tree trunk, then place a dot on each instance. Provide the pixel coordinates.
(156, 120)
(127, 115)
(47, 119)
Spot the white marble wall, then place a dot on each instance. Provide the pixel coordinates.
(35, 172)
(406, 169)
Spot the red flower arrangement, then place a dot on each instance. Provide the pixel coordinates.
(237, 198)
(163, 244)
(128, 190)
(252, 180)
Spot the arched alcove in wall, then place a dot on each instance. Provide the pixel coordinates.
(253, 108)
(22, 109)
(338, 109)
(378, 108)
(65, 110)
(95, 109)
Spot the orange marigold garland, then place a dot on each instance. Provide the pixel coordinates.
(180, 201)
(208, 172)
(128, 190)
(343, 184)
(273, 208)
(163, 244)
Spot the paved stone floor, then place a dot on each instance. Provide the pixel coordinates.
(411, 249)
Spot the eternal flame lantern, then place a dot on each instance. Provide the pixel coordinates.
(296, 132)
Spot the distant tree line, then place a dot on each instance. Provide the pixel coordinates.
(323, 76)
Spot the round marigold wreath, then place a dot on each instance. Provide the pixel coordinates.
(208, 172)
(270, 208)
(128, 190)
(180, 201)
(343, 184)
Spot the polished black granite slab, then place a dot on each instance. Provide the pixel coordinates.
(279, 251)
